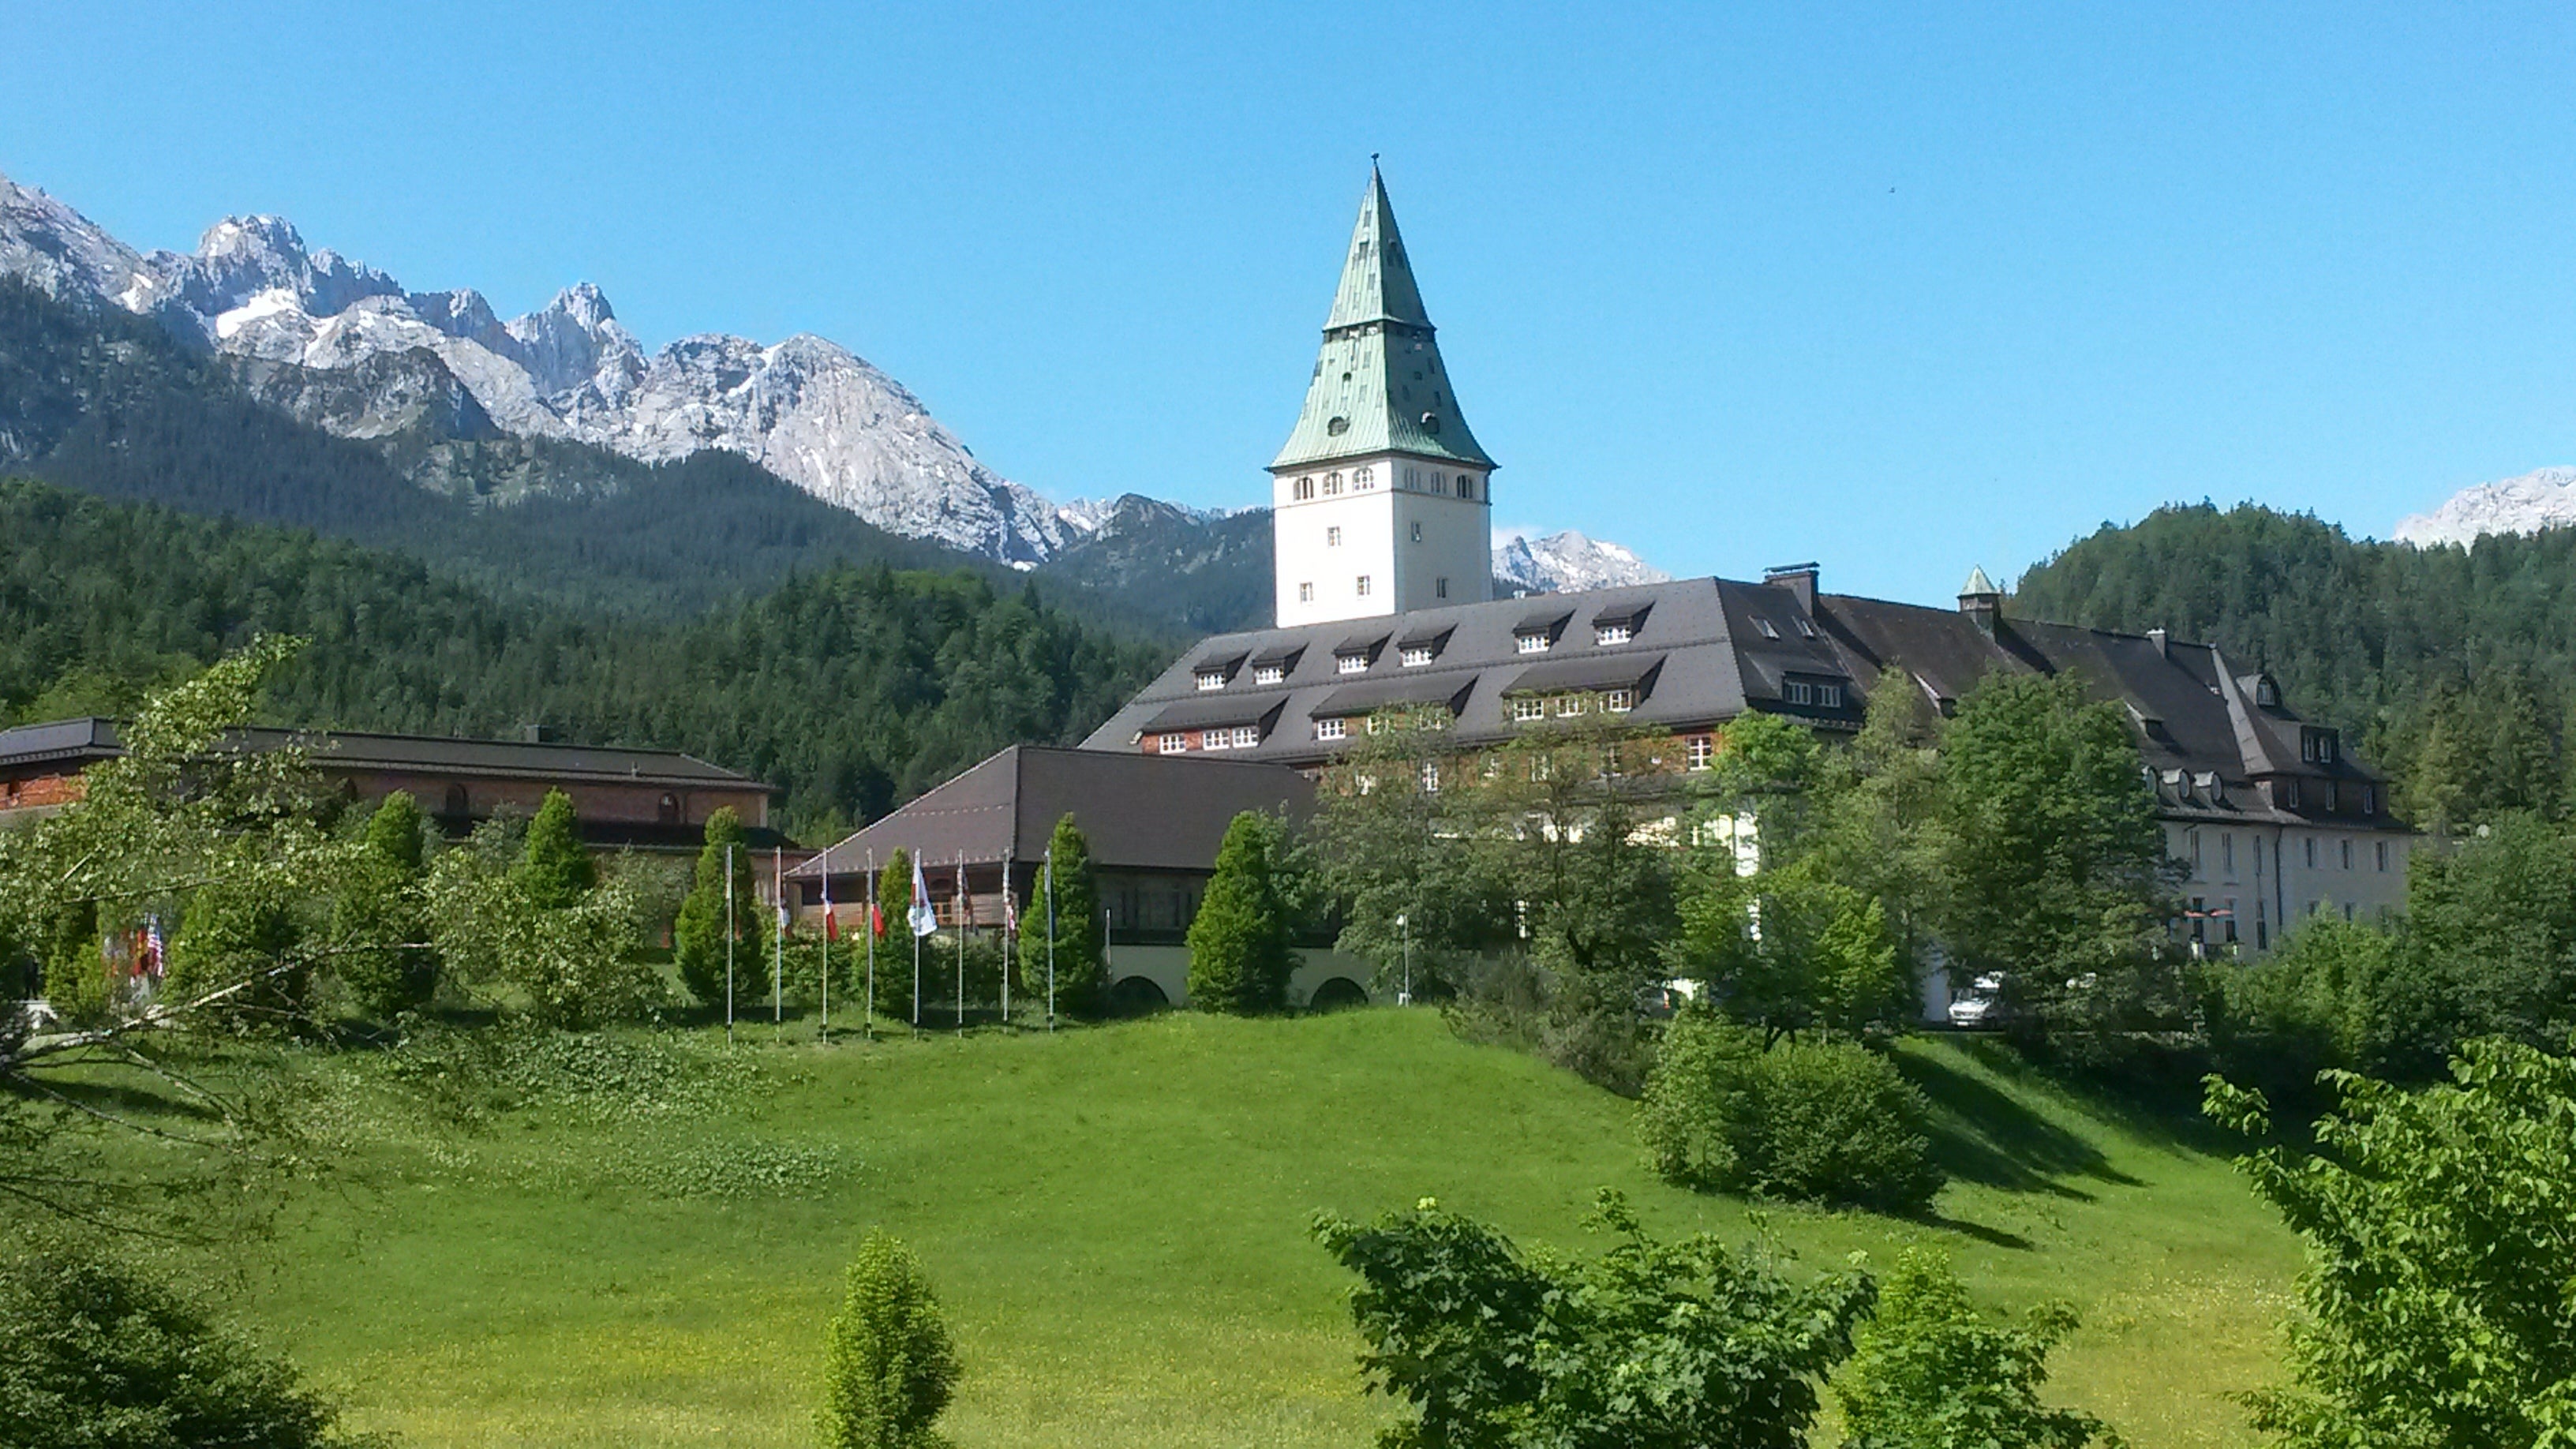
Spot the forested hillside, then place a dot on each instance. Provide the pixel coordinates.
(2455, 668)
(854, 687)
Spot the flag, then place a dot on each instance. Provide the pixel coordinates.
(831, 924)
(1010, 907)
(925, 916)
(876, 919)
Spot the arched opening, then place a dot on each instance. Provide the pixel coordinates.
(1137, 996)
(669, 810)
(456, 804)
(1340, 993)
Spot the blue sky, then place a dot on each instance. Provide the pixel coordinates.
(1900, 289)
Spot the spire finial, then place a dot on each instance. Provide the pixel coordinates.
(1372, 160)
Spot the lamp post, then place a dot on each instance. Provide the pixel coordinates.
(1404, 923)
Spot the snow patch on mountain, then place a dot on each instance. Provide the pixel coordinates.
(1566, 562)
(2543, 498)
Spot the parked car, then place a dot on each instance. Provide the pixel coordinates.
(1981, 1007)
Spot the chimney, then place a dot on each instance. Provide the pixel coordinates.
(1797, 578)
(537, 734)
(1981, 601)
(2157, 638)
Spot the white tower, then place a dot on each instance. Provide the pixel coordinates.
(1380, 500)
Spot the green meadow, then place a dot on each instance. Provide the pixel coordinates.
(1116, 1221)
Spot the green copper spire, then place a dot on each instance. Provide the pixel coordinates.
(1379, 385)
(1377, 277)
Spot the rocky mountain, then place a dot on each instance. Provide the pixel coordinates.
(2545, 498)
(468, 404)
(347, 347)
(1567, 562)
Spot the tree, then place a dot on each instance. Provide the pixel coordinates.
(569, 967)
(101, 1357)
(1079, 970)
(379, 921)
(2055, 862)
(555, 870)
(1929, 1372)
(889, 1365)
(1403, 862)
(2441, 1233)
(1239, 943)
(698, 936)
(1650, 1346)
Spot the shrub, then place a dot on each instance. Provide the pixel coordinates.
(378, 917)
(888, 1363)
(100, 1357)
(242, 930)
(1927, 1372)
(1820, 1122)
(1650, 1346)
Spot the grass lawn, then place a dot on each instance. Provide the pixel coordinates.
(1115, 1219)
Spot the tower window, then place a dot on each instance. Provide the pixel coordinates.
(1364, 586)
(1364, 479)
(1305, 593)
(1332, 538)
(1466, 486)
(1332, 485)
(1305, 489)
(1417, 533)
(1440, 588)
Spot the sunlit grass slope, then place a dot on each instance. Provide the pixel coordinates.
(1116, 1221)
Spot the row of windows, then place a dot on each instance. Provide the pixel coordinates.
(2308, 853)
(1820, 693)
(1229, 737)
(1539, 641)
(1365, 585)
(1528, 707)
(1364, 480)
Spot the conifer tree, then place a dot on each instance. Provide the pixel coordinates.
(1079, 969)
(698, 936)
(1239, 956)
(379, 917)
(554, 870)
(894, 954)
(889, 1365)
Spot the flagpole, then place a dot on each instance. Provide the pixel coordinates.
(728, 945)
(830, 924)
(961, 943)
(1050, 895)
(870, 1019)
(777, 939)
(1009, 917)
(915, 933)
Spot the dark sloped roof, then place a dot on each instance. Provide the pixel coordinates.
(1377, 694)
(1600, 671)
(411, 754)
(1138, 811)
(1216, 711)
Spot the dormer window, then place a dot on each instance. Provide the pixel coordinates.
(1350, 663)
(1619, 633)
(1805, 629)
(2318, 746)
(1764, 625)
(1416, 656)
(1270, 674)
(2267, 692)
(1811, 693)
(1530, 643)
(1211, 679)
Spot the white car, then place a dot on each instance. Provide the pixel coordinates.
(1981, 1006)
